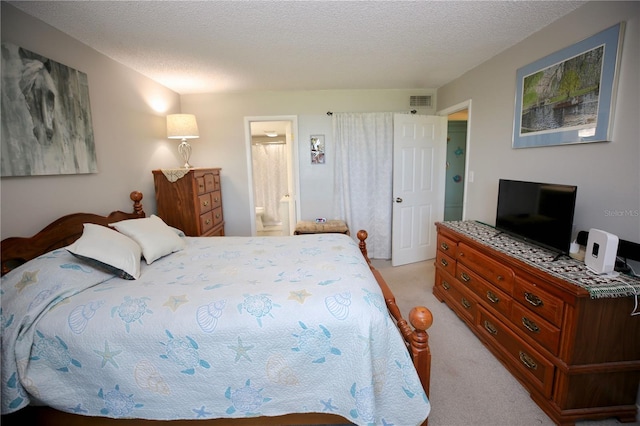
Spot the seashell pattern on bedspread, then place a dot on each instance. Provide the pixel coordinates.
(227, 327)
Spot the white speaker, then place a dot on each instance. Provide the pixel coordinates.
(600, 254)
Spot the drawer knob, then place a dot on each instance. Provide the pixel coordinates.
(464, 277)
(446, 285)
(465, 303)
(530, 325)
(208, 221)
(492, 297)
(444, 246)
(205, 203)
(490, 328)
(528, 361)
(444, 262)
(533, 299)
(217, 215)
(215, 200)
(500, 278)
(461, 254)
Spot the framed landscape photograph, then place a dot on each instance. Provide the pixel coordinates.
(568, 97)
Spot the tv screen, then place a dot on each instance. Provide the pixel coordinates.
(541, 213)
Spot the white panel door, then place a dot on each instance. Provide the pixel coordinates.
(419, 156)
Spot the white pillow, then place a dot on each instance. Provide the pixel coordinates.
(156, 238)
(107, 249)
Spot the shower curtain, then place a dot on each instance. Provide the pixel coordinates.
(269, 179)
(363, 176)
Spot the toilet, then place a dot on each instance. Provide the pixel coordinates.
(259, 213)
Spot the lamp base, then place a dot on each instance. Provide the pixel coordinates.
(185, 151)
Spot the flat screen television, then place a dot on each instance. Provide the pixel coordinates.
(541, 213)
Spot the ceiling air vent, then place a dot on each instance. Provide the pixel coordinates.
(420, 101)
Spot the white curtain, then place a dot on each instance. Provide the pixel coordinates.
(269, 179)
(363, 174)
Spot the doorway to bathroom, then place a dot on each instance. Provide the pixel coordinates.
(271, 154)
(457, 166)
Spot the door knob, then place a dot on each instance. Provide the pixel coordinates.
(398, 200)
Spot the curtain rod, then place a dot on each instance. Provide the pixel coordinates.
(330, 113)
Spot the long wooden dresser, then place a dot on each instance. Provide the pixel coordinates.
(190, 200)
(565, 333)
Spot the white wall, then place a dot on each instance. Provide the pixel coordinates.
(607, 174)
(130, 135)
(222, 143)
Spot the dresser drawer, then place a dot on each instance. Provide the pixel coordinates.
(494, 272)
(216, 199)
(206, 222)
(523, 357)
(217, 216)
(446, 262)
(447, 246)
(458, 298)
(547, 335)
(539, 301)
(215, 232)
(205, 203)
(211, 182)
(216, 182)
(200, 184)
(493, 298)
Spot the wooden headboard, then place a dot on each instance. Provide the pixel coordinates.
(17, 250)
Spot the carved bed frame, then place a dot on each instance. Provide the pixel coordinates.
(62, 232)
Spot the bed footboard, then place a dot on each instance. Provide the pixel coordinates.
(420, 318)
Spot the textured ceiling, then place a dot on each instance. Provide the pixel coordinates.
(224, 46)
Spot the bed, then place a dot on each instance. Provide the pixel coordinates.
(258, 330)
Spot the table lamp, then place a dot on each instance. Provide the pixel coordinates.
(183, 126)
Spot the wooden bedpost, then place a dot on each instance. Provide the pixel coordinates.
(421, 319)
(362, 235)
(136, 197)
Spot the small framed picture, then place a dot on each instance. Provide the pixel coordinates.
(317, 149)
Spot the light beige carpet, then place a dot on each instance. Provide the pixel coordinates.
(469, 386)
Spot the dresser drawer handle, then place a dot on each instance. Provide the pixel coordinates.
(446, 285)
(217, 215)
(464, 277)
(528, 361)
(490, 328)
(465, 303)
(492, 297)
(461, 254)
(500, 278)
(533, 299)
(205, 203)
(444, 262)
(207, 222)
(215, 200)
(444, 246)
(530, 325)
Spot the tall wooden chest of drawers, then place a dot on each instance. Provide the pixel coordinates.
(192, 202)
(577, 355)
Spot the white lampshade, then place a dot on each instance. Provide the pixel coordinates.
(182, 126)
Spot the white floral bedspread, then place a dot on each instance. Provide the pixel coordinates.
(228, 327)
